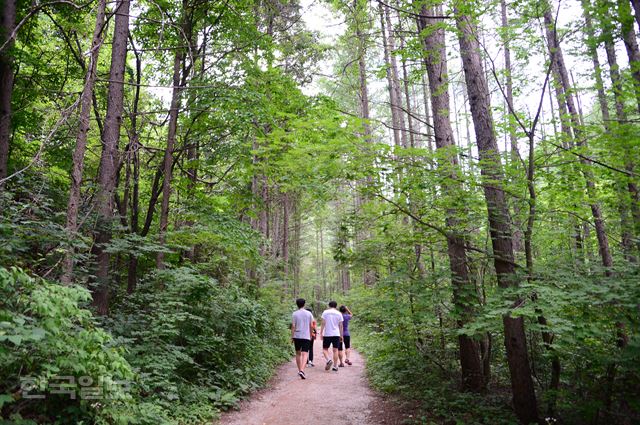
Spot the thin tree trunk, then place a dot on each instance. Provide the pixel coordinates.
(592, 47)
(626, 198)
(285, 236)
(566, 98)
(168, 155)
(427, 114)
(81, 139)
(395, 78)
(178, 86)
(110, 156)
(513, 141)
(7, 25)
(524, 397)
(132, 272)
(391, 80)
(636, 7)
(369, 275)
(630, 44)
(407, 96)
(435, 58)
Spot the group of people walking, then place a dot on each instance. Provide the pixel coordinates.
(334, 333)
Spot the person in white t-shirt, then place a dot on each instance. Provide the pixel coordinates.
(331, 334)
(301, 329)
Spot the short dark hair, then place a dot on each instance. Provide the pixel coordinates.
(343, 309)
(300, 302)
(333, 304)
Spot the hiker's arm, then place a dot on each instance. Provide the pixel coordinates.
(293, 330)
(341, 329)
(322, 328)
(348, 311)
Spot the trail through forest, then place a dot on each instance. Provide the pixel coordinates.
(339, 398)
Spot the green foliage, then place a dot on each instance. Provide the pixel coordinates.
(198, 346)
(397, 330)
(45, 334)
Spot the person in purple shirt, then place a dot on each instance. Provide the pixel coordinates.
(346, 317)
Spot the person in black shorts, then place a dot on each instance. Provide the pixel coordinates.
(331, 335)
(314, 332)
(301, 321)
(346, 318)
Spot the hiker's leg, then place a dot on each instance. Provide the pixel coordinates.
(325, 349)
(311, 351)
(303, 360)
(298, 359)
(335, 356)
(347, 347)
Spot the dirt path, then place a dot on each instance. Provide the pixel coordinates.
(342, 397)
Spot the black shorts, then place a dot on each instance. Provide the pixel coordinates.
(332, 340)
(301, 344)
(347, 342)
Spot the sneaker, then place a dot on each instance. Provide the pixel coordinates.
(341, 365)
(302, 375)
(335, 369)
(310, 364)
(328, 365)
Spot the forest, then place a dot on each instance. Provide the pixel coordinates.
(462, 174)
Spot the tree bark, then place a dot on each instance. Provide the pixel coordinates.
(597, 69)
(566, 98)
(392, 77)
(7, 25)
(81, 138)
(630, 43)
(110, 155)
(168, 154)
(178, 87)
(636, 7)
(435, 58)
(524, 397)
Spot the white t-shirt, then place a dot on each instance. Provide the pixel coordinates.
(302, 319)
(332, 322)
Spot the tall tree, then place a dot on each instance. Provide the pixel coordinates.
(566, 102)
(397, 120)
(435, 58)
(180, 73)
(86, 99)
(7, 26)
(524, 397)
(110, 157)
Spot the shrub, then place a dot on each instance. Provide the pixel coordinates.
(46, 335)
(197, 345)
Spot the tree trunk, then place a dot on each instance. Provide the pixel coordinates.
(524, 397)
(566, 98)
(110, 155)
(630, 44)
(463, 292)
(7, 25)
(636, 7)
(513, 142)
(407, 96)
(168, 154)
(592, 47)
(368, 275)
(81, 139)
(178, 87)
(392, 79)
